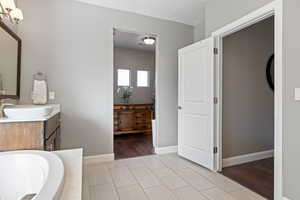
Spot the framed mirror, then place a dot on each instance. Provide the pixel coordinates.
(270, 72)
(10, 63)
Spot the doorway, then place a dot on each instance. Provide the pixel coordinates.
(200, 127)
(134, 93)
(248, 107)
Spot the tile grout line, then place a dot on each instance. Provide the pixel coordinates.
(113, 181)
(215, 186)
(85, 173)
(173, 191)
(140, 183)
(137, 182)
(189, 184)
(159, 179)
(88, 182)
(189, 165)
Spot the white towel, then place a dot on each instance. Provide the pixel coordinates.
(39, 93)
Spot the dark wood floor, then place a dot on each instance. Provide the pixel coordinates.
(258, 176)
(128, 146)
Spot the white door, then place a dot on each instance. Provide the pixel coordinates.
(196, 103)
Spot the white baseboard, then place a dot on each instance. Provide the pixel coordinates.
(166, 150)
(284, 198)
(237, 160)
(99, 158)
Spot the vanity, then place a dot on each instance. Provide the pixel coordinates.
(42, 133)
(33, 173)
(22, 131)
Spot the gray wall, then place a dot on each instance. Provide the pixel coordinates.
(199, 29)
(199, 32)
(134, 60)
(248, 102)
(219, 12)
(73, 43)
(291, 136)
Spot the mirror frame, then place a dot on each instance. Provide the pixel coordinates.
(270, 78)
(19, 41)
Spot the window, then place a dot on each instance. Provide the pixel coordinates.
(124, 77)
(142, 78)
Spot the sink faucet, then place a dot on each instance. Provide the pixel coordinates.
(3, 104)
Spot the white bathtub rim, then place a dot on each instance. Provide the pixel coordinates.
(53, 187)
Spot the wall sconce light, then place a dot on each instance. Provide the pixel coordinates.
(8, 9)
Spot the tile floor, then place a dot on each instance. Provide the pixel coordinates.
(164, 177)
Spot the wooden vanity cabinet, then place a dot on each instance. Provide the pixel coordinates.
(40, 135)
(52, 134)
(133, 118)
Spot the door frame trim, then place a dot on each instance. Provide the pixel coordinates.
(272, 9)
(155, 134)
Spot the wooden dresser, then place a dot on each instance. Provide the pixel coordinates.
(133, 118)
(39, 135)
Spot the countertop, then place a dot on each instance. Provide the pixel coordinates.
(54, 112)
(72, 160)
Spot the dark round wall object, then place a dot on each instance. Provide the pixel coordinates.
(269, 70)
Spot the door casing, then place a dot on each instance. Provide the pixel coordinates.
(272, 9)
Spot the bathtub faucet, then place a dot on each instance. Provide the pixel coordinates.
(28, 197)
(3, 104)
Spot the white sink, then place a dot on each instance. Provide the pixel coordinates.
(28, 111)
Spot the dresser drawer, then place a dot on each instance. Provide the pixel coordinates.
(119, 107)
(142, 107)
(51, 125)
(132, 118)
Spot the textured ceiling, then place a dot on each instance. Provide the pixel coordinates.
(183, 11)
(131, 40)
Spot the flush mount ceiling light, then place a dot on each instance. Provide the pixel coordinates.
(149, 40)
(9, 10)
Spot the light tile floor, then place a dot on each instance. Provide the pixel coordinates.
(159, 177)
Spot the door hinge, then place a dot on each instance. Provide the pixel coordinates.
(215, 150)
(216, 100)
(216, 51)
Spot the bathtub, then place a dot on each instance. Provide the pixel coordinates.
(37, 175)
